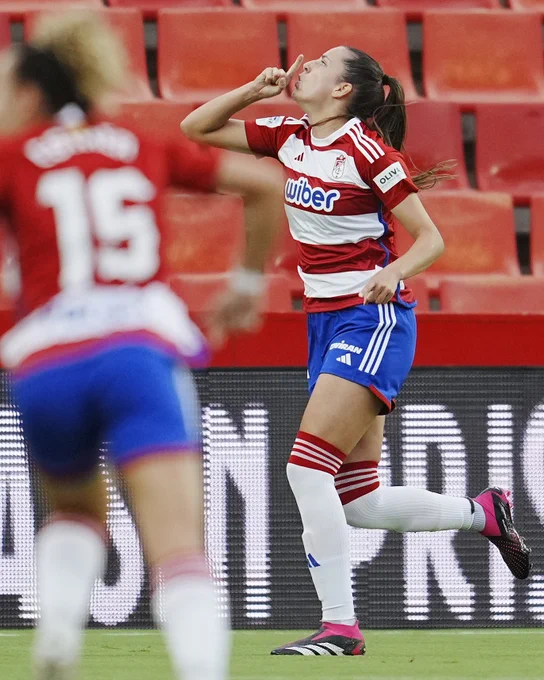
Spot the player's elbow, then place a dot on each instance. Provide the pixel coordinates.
(189, 129)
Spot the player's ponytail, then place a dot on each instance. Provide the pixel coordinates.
(385, 114)
(74, 58)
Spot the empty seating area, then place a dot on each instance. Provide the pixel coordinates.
(472, 70)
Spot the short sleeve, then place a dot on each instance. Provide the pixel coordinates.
(193, 166)
(389, 178)
(266, 136)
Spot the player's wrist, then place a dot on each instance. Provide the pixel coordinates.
(248, 282)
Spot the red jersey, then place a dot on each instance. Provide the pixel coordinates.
(339, 194)
(85, 205)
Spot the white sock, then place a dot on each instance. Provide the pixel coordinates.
(326, 541)
(186, 609)
(70, 556)
(404, 508)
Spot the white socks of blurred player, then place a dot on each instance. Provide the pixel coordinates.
(401, 508)
(322, 485)
(70, 556)
(186, 610)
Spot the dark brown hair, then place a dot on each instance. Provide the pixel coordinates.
(385, 115)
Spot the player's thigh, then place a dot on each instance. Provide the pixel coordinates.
(340, 411)
(369, 447)
(166, 492)
(82, 495)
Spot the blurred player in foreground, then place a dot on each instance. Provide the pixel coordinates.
(101, 350)
(348, 188)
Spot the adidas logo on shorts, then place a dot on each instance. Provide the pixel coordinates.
(345, 359)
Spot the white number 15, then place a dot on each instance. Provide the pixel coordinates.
(97, 233)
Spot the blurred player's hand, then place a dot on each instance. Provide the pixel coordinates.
(381, 288)
(234, 312)
(273, 81)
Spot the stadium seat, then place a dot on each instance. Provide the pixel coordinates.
(203, 54)
(199, 291)
(420, 289)
(204, 233)
(156, 117)
(508, 155)
(289, 5)
(415, 8)
(5, 32)
(435, 135)
(527, 4)
(498, 59)
(18, 8)
(151, 7)
(128, 24)
(313, 33)
(478, 230)
(493, 295)
(537, 235)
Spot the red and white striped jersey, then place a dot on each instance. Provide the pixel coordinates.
(339, 194)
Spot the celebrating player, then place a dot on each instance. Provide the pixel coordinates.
(348, 188)
(100, 354)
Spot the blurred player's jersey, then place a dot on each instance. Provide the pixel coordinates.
(339, 194)
(85, 203)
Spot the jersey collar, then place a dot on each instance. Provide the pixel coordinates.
(327, 141)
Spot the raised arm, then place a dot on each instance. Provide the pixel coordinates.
(212, 123)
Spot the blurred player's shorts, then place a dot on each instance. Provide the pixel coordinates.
(136, 399)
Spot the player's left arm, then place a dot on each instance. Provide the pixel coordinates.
(427, 247)
(391, 183)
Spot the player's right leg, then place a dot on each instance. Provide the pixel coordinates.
(70, 550)
(153, 429)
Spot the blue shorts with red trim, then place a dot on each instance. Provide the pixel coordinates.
(134, 400)
(372, 345)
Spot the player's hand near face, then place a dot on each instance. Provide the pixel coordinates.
(381, 288)
(273, 81)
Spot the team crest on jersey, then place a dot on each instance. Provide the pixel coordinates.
(339, 166)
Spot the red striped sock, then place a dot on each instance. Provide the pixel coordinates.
(179, 566)
(354, 480)
(312, 452)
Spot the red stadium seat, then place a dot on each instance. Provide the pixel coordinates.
(200, 290)
(151, 7)
(435, 135)
(498, 59)
(18, 8)
(289, 5)
(507, 160)
(128, 24)
(537, 235)
(203, 54)
(204, 233)
(420, 289)
(527, 4)
(285, 261)
(493, 295)
(415, 8)
(313, 33)
(5, 32)
(478, 230)
(156, 117)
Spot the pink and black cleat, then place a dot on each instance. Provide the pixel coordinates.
(499, 529)
(331, 639)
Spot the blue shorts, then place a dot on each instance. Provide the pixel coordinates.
(372, 345)
(135, 400)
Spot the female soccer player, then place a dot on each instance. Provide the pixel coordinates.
(101, 350)
(348, 189)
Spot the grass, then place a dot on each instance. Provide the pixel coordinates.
(398, 655)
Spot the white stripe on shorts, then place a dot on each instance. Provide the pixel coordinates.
(379, 340)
